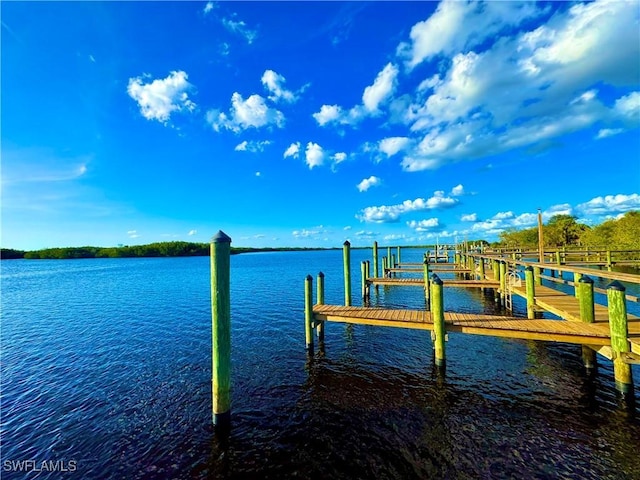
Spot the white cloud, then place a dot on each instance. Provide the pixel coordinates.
(133, 234)
(240, 28)
(208, 7)
(292, 151)
(366, 233)
(610, 204)
(608, 132)
(391, 213)
(629, 106)
(258, 174)
(311, 232)
(161, 97)
(252, 112)
(456, 25)
(192, 232)
(383, 86)
(274, 82)
(253, 147)
(348, 227)
(327, 113)
(392, 145)
(339, 157)
(367, 183)
(470, 217)
(457, 190)
(314, 155)
(424, 225)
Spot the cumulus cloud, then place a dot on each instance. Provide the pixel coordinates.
(629, 106)
(274, 82)
(338, 157)
(470, 217)
(367, 183)
(251, 146)
(383, 86)
(314, 155)
(311, 232)
(208, 7)
(133, 234)
(192, 232)
(457, 190)
(424, 225)
(391, 213)
(292, 151)
(244, 114)
(240, 28)
(392, 145)
(610, 204)
(608, 132)
(327, 113)
(160, 98)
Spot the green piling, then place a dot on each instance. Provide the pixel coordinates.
(619, 336)
(584, 287)
(537, 271)
(221, 329)
(531, 291)
(482, 273)
(375, 259)
(320, 301)
(576, 283)
(426, 279)
(437, 316)
(503, 282)
(308, 312)
(346, 256)
(398, 248)
(609, 264)
(363, 277)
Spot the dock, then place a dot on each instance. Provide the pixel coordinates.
(607, 330)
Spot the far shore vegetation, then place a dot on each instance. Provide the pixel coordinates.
(560, 231)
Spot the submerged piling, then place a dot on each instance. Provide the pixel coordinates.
(346, 256)
(437, 316)
(221, 329)
(584, 292)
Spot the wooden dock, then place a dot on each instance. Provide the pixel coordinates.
(419, 282)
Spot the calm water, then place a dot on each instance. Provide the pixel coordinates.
(106, 363)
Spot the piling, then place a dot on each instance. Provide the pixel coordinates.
(576, 282)
(531, 292)
(221, 329)
(619, 334)
(482, 273)
(426, 279)
(363, 278)
(609, 264)
(389, 257)
(375, 259)
(320, 301)
(308, 313)
(437, 316)
(346, 256)
(399, 261)
(537, 271)
(503, 282)
(584, 289)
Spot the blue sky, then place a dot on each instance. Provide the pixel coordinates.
(305, 124)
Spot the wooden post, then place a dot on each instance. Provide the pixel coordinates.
(531, 291)
(540, 239)
(221, 329)
(609, 265)
(375, 259)
(394, 264)
(437, 316)
(389, 257)
(558, 262)
(426, 279)
(308, 313)
(363, 277)
(384, 266)
(399, 261)
(456, 258)
(576, 282)
(482, 273)
(537, 271)
(346, 256)
(320, 301)
(584, 288)
(503, 282)
(619, 333)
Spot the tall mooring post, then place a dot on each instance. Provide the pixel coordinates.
(531, 292)
(375, 260)
(398, 249)
(320, 301)
(437, 316)
(346, 257)
(584, 290)
(503, 282)
(308, 313)
(619, 336)
(426, 279)
(221, 329)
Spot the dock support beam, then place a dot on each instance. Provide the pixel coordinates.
(619, 333)
(531, 292)
(584, 291)
(346, 256)
(437, 316)
(221, 329)
(320, 301)
(308, 313)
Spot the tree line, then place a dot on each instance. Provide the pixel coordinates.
(564, 231)
(159, 249)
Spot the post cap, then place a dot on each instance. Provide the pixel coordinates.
(616, 285)
(528, 268)
(436, 279)
(321, 275)
(586, 279)
(309, 278)
(346, 243)
(221, 237)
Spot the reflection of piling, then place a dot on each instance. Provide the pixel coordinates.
(308, 313)
(584, 290)
(346, 256)
(221, 329)
(619, 336)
